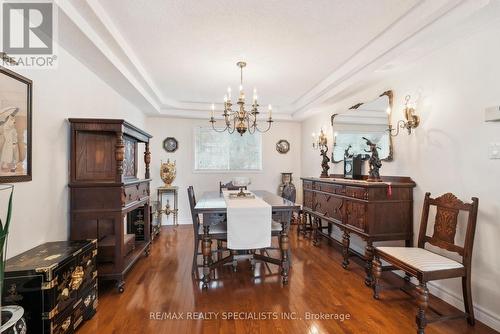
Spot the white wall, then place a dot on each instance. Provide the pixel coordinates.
(273, 163)
(41, 210)
(448, 152)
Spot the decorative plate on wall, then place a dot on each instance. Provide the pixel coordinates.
(283, 146)
(170, 144)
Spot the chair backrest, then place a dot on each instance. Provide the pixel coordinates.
(448, 207)
(229, 186)
(192, 204)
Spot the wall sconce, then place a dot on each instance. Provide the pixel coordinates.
(412, 120)
(319, 141)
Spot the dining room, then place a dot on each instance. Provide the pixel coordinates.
(228, 166)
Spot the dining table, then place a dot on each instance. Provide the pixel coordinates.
(212, 206)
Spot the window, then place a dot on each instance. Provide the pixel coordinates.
(218, 151)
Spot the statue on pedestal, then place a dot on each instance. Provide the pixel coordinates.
(374, 161)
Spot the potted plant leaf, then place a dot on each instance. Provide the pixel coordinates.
(12, 316)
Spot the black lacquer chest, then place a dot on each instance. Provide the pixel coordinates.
(55, 283)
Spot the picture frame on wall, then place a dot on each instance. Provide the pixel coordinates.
(170, 144)
(16, 93)
(283, 146)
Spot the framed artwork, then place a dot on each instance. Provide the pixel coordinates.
(170, 144)
(15, 127)
(283, 146)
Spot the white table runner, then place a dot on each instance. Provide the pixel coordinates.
(248, 222)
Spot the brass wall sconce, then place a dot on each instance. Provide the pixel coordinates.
(412, 120)
(319, 141)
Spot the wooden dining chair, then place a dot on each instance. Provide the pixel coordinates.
(218, 232)
(428, 266)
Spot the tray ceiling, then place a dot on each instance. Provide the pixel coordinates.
(180, 55)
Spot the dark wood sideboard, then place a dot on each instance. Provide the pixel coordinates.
(375, 211)
(108, 201)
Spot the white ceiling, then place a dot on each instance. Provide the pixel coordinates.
(190, 47)
(179, 55)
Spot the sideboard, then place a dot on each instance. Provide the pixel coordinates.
(375, 211)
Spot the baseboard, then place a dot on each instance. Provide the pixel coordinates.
(481, 314)
(185, 221)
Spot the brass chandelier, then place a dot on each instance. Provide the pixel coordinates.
(241, 120)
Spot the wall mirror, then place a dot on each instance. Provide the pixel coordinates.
(370, 120)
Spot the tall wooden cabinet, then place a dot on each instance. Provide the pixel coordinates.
(108, 201)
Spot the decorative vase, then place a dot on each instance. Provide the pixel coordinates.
(13, 320)
(287, 188)
(168, 172)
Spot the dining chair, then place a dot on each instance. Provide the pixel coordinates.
(426, 265)
(217, 232)
(304, 223)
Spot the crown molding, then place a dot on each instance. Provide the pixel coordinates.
(205, 114)
(91, 18)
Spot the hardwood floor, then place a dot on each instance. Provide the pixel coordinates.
(162, 283)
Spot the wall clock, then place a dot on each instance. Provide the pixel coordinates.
(283, 146)
(170, 144)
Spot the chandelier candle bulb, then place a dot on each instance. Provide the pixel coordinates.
(229, 93)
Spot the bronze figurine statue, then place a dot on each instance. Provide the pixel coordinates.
(346, 152)
(324, 163)
(374, 162)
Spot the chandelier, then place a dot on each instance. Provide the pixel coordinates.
(241, 120)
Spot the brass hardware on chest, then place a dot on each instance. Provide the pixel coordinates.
(65, 325)
(76, 278)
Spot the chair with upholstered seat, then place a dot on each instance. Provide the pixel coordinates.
(426, 265)
(217, 232)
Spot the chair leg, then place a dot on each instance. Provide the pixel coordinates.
(422, 303)
(194, 268)
(300, 223)
(219, 247)
(234, 262)
(376, 273)
(469, 308)
(316, 226)
(345, 249)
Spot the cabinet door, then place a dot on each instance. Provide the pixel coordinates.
(329, 206)
(308, 199)
(94, 157)
(335, 208)
(355, 213)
